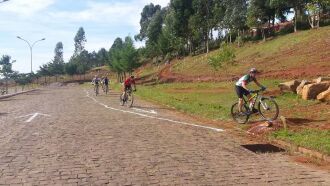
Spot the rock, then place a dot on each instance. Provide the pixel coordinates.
(311, 91)
(324, 96)
(301, 86)
(265, 127)
(289, 86)
(321, 79)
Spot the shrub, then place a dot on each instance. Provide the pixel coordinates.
(226, 55)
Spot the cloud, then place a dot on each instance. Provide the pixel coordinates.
(59, 20)
(121, 13)
(26, 7)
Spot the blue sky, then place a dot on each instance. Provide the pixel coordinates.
(59, 20)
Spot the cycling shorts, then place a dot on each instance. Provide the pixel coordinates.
(240, 91)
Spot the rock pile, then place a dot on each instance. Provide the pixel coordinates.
(316, 89)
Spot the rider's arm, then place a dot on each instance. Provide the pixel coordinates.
(259, 85)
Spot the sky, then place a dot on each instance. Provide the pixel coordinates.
(59, 20)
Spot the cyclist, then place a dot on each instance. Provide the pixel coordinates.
(128, 84)
(96, 82)
(241, 88)
(106, 84)
(102, 83)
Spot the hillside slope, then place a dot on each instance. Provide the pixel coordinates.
(298, 55)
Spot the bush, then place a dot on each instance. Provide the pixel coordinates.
(286, 30)
(226, 55)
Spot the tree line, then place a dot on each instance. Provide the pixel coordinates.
(122, 57)
(184, 27)
(188, 27)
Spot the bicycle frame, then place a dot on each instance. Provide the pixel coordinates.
(257, 99)
(128, 92)
(253, 97)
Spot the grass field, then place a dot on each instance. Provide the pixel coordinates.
(310, 138)
(288, 56)
(211, 100)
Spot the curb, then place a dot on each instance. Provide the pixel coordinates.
(303, 150)
(15, 94)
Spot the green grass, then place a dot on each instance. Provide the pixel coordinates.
(308, 138)
(284, 52)
(209, 100)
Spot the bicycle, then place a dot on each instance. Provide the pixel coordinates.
(106, 89)
(267, 108)
(96, 89)
(127, 98)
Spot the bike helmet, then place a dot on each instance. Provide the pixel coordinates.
(254, 70)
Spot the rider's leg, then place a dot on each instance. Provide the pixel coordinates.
(240, 104)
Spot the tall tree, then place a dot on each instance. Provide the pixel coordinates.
(129, 55)
(58, 58)
(147, 14)
(79, 41)
(57, 65)
(201, 22)
(181, 11)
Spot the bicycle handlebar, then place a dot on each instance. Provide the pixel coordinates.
(257, 91)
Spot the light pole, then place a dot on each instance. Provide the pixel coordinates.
(31, 46)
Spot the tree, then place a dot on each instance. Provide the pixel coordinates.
(147, 14)
(237, 15)
(102, 57)
(56, 67)
(71, 68)
(44, 71)
(123, 57)
(259, 13)
(129, 55)
(314, 9)
(6, 68)
(79, 41)
(298, 6)
(58, 58)
(22, 79)
(181, 10)
(200, 22)
(155, 28)
(115, 58)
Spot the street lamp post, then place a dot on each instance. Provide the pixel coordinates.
(31, 46)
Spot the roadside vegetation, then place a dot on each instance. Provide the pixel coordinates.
(310, 138)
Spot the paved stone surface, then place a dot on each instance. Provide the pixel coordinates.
(83, 143)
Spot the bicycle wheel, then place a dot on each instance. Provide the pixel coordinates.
(96, 90)
(106, 90)
(122, 100)
(239, 117)
(130, 100)
(268, 109)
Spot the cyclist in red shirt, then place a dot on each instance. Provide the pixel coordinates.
(128, 84)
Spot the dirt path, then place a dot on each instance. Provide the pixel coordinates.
(88, 140)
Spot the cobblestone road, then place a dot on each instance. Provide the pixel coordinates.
(84, 143)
